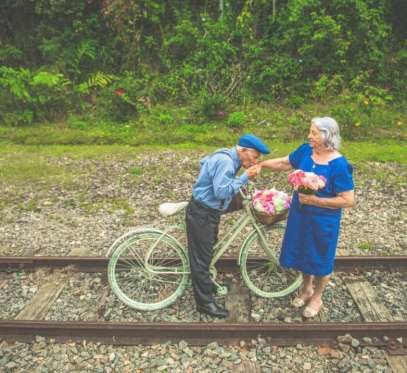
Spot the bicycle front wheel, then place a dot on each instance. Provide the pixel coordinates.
(260, 267)
(148, 270)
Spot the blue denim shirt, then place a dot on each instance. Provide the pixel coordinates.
(217, 182)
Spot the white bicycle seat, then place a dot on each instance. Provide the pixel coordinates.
(168, 209)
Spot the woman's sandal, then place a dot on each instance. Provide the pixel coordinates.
(298, 302)
(310, 312)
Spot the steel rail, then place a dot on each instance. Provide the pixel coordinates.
(99, 263)
(130, 333)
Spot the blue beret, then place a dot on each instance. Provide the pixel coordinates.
(253, 142)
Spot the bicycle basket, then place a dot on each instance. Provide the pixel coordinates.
(267, 219)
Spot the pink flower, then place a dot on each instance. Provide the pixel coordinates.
(271, 201)
(306, 180)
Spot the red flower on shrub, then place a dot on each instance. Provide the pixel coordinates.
(120, 91)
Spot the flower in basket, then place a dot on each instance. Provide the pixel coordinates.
(271, 201)
(306, 182)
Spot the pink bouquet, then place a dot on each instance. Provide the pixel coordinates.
(270, 202)
(306, 182)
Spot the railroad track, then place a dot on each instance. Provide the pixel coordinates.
(99, 263)
(379, 327)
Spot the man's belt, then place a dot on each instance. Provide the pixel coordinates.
(203, 206)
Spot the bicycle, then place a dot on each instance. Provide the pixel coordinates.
(148, 268)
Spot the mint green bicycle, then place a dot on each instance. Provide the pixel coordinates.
(148, 268)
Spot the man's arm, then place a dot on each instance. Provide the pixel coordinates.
(225, 183)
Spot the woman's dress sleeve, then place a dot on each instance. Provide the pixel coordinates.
(342, 178)
(296, 156)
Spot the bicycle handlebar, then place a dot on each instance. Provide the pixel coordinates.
(246, 190)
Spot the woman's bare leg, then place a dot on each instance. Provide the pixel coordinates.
(307, 287)
(315, 302)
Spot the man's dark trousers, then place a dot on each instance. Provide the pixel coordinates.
(202, 225)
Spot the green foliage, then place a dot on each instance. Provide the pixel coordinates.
(327, 86)
(32, 95)
(211, 106)
(122, 100)
(165, 118)
(76, 122)
(96, 80)
(295, 101)
(209, 54)
(236, 119)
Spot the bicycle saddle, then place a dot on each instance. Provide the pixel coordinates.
(168, 209)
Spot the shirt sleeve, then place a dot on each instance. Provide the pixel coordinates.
(225, 183)
(343, 179)
(296, 156)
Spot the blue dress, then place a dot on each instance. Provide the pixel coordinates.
(312, 232)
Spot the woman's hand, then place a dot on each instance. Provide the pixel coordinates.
(253, 171)
(342, 200)
(308, 199)
(277, 164)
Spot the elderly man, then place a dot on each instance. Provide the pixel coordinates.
(216, 191)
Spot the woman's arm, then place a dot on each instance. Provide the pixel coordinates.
(344, 199)
(277, 164)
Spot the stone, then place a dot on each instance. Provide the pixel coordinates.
(11, 365)
(344, 347)
(188, 351)
(307, 366)
(347, 339)
(255, 316)
(371, 364)
(355, 343)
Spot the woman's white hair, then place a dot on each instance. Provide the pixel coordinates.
(330, 131)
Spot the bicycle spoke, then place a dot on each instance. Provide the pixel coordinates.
(267, 277)
(150, 269)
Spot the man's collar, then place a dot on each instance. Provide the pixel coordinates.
(235, 157)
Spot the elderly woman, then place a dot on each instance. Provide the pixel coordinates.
(312, 232)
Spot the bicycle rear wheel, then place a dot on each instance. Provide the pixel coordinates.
(261, 270)
(148, 270)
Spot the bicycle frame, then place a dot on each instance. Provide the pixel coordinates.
(221, 246)
(247, 218)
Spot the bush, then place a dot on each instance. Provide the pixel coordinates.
(236, 120)
(211, 106)
(165, 119)
(33, 95)
(121, 100)
(79, 53)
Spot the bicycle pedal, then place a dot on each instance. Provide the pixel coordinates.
(222, 290)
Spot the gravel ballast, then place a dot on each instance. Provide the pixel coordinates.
(110, 195)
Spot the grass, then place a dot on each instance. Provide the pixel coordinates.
(272, 122)
(22, 164)
(19, 166)
(34, 159)
(366, 246)
(109, 204)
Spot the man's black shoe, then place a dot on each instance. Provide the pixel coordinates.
(213, 310)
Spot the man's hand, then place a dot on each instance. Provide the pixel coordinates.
(253, 171)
